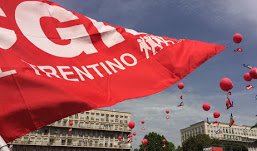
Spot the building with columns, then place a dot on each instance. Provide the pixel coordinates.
(94, 130)
(243, 134)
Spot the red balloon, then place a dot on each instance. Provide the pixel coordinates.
(181, 85)
(226, 84)
(206, 106)
(237, 38)
(144, 141)
(134, 133)
(253, 73)
(167, 111)
(216, 114)
(131, 124)
(247, 77)
(142, 121)
(164, 140)
(119, 137)
(71, 123)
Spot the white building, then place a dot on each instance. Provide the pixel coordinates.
(94, 130)
(236, 133)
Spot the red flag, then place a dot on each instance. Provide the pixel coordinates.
(249, 87)
(238, 50)
(59, 63)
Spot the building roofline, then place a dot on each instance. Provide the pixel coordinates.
(111, 111)
(219, 122)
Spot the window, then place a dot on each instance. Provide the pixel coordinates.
(80, 133)
(102, 117)
(107, 117)
(116, 118)
(82, 115)
(92, 118)
(112, 118)
(97, 125)
(63, 141)
(76, 116)
(96, 134)
(63, 133)
(75, 132)
(64, 123)
(45, 132)
(81, 124)
(97, 116)
(76, 123)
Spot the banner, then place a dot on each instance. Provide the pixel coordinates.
(55, 63)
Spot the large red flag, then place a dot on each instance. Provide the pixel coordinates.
(55, 63)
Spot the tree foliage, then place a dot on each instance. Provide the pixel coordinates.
(155, 143)
(201, 141)
(179, 148)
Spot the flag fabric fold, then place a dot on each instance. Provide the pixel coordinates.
(59, 63)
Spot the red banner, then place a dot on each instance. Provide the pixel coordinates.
(55, 63)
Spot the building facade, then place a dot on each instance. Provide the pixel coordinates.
(94, 130)
(243, 134)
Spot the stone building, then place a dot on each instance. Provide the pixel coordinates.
(94, 130)
(236, 133)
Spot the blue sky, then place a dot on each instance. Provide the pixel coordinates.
(208, 21)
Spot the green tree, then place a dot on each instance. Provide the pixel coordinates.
(199, 142)
(235, 146)
(179, 148)
(155, 143)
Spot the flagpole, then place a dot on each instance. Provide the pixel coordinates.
(3, 145)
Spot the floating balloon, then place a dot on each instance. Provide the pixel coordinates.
(142, 128)
(164, 146)
(247, 77)
(131, 124)
(119, 138)
(206, 106)
(144, 141)
(216, 114)
(226, 84)
(167, 117)
(181, 85)
(253, 73)
(164, 140)
(134, 133)
(71, 123)
(167, 111)
(70, 129)
(142, 121)
(237, 38)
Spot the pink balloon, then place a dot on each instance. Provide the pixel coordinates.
(142, 121)
(247, 77)
(226, 84)
(119, 137)
(181, 85)
(253, 73)
(144, 141)
(131, 124)
(71, 123)
(216, 114)
(206, 106)
(237, 38)
(167, 117)
(164, 140)
(167, 111)
(134, 133)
